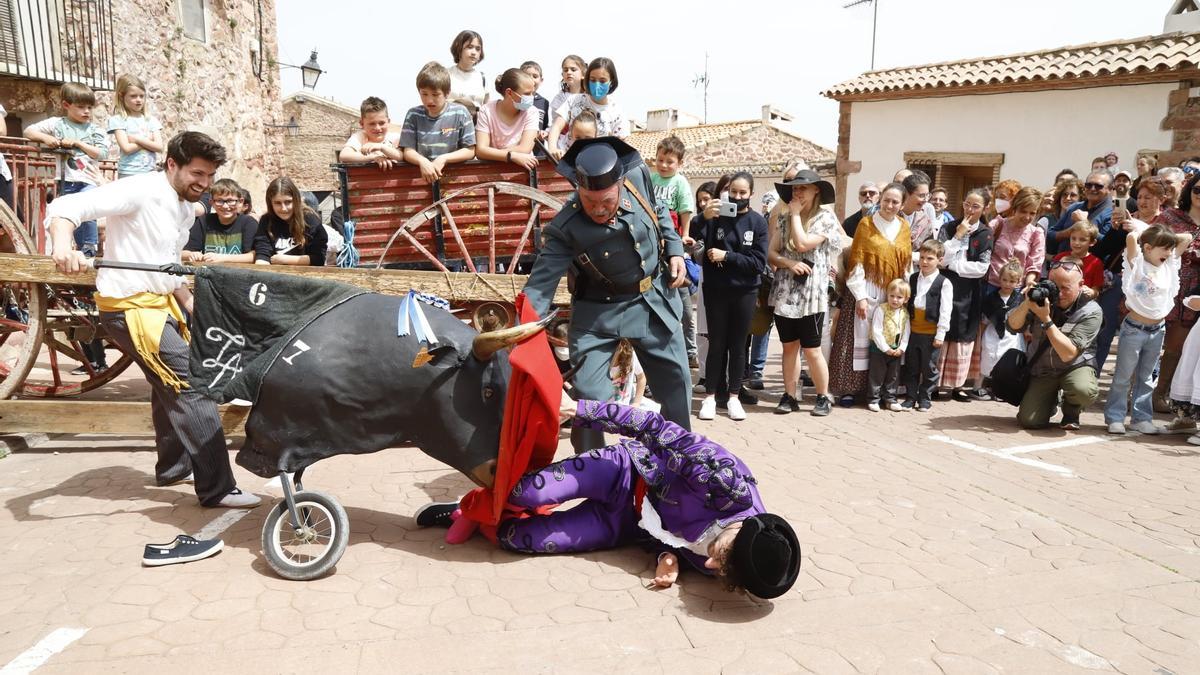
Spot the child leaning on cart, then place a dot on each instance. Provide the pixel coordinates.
(437, 132)
(713, 517)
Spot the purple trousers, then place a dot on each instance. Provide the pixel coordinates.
(603, 477)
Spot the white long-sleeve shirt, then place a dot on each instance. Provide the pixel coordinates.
(955, 258)
(146, 222)
(945, 303)
(877, 332)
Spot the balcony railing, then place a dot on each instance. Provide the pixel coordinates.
(58, 41)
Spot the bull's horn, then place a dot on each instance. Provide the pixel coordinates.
(487, 344)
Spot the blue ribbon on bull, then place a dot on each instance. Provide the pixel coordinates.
(411, 319)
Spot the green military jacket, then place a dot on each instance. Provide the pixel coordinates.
(624, 251)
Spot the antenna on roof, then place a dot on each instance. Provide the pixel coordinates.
(874, 23)
(703, 80)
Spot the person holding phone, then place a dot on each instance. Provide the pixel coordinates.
(734, 258)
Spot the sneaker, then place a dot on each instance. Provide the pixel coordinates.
(1116, 428)
(756, 384)
(436, 514)
(236, 499)
(746, 398)
(846, 401)
(1181, 425)
(908, 404)
(1069, 422)
(1162, 404)
(736, 411)
(873, 407)
(1194, 439)
(924, 406)
(980, 394)
(693, 362)
(700, 386)
(708, 409)
(190, 479)
(823, 407)
(787, 404)
(183, 549)
(895, 406)
(1147, 427)
(961, 396)
(84, 370)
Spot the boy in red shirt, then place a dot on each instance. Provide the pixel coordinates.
(1083, 236)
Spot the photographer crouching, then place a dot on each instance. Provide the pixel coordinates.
(1063, 324)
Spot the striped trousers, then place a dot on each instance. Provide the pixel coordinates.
(187, 425)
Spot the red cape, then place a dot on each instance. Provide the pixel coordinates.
(529, 434)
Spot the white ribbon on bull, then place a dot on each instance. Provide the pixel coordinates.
(411, 319)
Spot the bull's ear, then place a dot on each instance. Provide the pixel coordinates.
(426, 355)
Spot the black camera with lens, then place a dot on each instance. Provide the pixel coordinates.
(1044, 291)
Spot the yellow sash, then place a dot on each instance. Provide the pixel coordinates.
(920, 325)
(146, 315)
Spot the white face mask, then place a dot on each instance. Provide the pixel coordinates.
(1002, 205)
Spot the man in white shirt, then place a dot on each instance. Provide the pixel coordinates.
(148, 218)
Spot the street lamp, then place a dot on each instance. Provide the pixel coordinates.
(291, 128)
(310, 72)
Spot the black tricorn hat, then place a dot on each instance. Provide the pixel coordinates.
(598, 163)
(766, 555)
(805, 177)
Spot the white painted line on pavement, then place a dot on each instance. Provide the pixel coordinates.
(31, 659)
(221, 523)
(1004, 454)
(1054, 445)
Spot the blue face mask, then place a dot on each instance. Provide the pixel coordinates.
(525, 103)
(598, 90)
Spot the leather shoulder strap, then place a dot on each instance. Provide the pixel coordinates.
(641, 199)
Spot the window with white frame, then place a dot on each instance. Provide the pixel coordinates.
(191, 13)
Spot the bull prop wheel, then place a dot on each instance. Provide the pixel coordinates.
(304, 535)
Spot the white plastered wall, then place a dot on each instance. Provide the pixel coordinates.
(1039, 132)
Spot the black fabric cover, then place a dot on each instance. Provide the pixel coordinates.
(356, 391)
(263, 311)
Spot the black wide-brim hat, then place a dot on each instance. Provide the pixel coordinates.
(766, 555)
(806, 177)
(598, 163)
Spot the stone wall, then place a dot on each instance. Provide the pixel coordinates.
(323, 130)
(1183, 120)
(763, 145)
(207, 86)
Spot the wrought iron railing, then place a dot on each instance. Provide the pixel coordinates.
(58, 41)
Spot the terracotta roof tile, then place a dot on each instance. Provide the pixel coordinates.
(695, 137)
(1121, 57)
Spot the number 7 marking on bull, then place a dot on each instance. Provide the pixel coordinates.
(301, 347)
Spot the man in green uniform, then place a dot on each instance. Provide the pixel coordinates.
(627, 260)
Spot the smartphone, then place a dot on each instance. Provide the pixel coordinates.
(1119, 203)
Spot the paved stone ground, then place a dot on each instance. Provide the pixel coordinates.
(974, 553)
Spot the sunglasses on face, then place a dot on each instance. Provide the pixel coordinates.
(868, 194)
(1064, 264)
(1189, 170)
(1094, 186)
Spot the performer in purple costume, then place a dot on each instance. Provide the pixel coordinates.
(700, 502)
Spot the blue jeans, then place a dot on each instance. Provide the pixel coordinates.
(87, 235)
(1137, 354)
(1110, 304)
(758, 354)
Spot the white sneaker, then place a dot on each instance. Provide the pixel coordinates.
(236, 499)
(1194, 439)
(895, 406)
(736, 411)
(1116, 428)
(1146, 427)
(873, 407)
(708, 409)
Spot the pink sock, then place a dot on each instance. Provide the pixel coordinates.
(461, 529)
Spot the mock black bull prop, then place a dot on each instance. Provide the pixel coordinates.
(327, 374)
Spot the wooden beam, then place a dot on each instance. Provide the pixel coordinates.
(958, 158)
(67, 416)
(457, 287)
